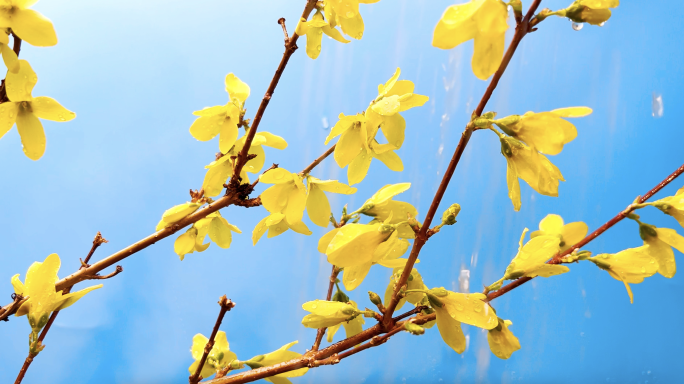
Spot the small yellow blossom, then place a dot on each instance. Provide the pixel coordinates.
(219, 357)
(328, 313)
(176, 213)
(528, 164)
(28, 24)
(630, 266)
(314, 30)
(39, 287)
(484, 21)
(594, 12)
(569, 234)
(222, 120)
(415, 282)
(288, 195)
(502, 341)
(276, 357)
(547, 132)
(660, 242)
(530, 261)
(218, 229)
(9, 57)
(276, 224)
(317, 205)
(352, 327)
(355, 244)
(381, 206)
(467, 308)
(24, 109)
(673, 206)
(220, 170)
(345, 13)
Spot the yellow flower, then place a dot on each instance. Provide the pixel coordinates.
(502, 341)
(314, 30)
(346, 14)
(276, 357)
(317, 205)
(28, 24)
(288, 195)
(24, 109)
(660, 242)
(355, 244)
(219, 357)
(328, 313)
(546, 132)
(218, 229)
(381, 206)
(484, 21)
(9, 57)
(220, 170)
(530, 261)
(595, 12)
(222, 120)
(450, 329)
(415, 282)
(673, 206)
(466, 308)
(569, 234)
(630, 266)
(276, 224)
(351, 327)
(393, 97)
(353, 139)
(527, 164)
(39, 286)
(176, 213)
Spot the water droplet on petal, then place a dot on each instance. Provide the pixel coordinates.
(577, 26)
(478, 309)
(61, 118)
(350, 14)
(459, 307)
(359, 36)
(318, 48)
(643, 269)
(602, 24)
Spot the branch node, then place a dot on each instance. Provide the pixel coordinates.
(281, 21)
(118, 270)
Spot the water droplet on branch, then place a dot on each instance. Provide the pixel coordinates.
(577, 26)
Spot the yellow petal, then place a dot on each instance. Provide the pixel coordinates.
(259, 230)
(274, 199)
(358, 169)
(333, 186)
(387, 106)
(185, 243)
(33, 28)
(215, 178)
(400, 87)
(353, 276)
(663, 253)
(276, 176)
(300, 228)
(273, 141)
(341, 126)
(236, 88)
(513, 185)
(206, 128)
(352, 26)
(19, 287)
(450, 330)
(470, 309)
(456, 26)
(502, 342)
(573, 233)
(671, 238)
(412, 100)
(348, 147)
(547, 270)
(600, 4)
(314, 38)
(49, 109)
(212, 111)
(219, 232)
(318, 207)
(391, 160)
(9, 57)
(70, 298)
(572, 111)
(296, 203)
(354, 244)
(8, 116)
(325, 240)
(178, 212)
(32, 135)
(393, 128)
(228, 131)
(387, 192)
(334, 33)
(489, 49)
(20, 84)
(395, 263)
(552, 225)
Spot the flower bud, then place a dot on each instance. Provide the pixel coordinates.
(374, 298)
(414, 329)
(449, 216)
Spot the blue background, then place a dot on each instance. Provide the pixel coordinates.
(134, 71)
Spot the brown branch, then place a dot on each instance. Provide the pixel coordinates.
(321, 331)
(226, 305)
(11, 308)
(322, 157)
(290, 48)
(281, 21)
(118, 270)
(557, 259)
(97, 241)
(521, 31)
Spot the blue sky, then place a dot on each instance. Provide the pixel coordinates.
(134, 72)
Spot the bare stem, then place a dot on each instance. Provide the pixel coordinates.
(318, 160)
(321, 331)
(521, 31)
(226, 305)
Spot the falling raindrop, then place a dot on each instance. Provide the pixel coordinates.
(577, 26)
(324, 120)
(657, 108)
(464, 281)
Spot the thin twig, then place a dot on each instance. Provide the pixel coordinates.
(322, 157)
(226, 305)
(521, 30)
(97, 241)
(118, 270)
(321, 331)
(11, 308)
(557, 259)
(281, 21)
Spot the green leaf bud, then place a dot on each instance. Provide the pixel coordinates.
(374, 298)
(449, 216)
(414, 329)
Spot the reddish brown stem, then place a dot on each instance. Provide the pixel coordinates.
(226, 305)
(97, 241)
(321, 331)
(521, 30)
(557, 259)
(318, 160)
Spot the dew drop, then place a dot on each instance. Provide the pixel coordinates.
(478, 309)
(350, 14)
(459, 307)
(643, 269)
(359, 36)
(602, 24)
(577, 26)
(386, 102)
(397, 143)
(61, 118)
(314, 306)
(652, 260)
(318, 48)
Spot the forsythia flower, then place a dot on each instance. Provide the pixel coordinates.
(569, 234)
(328, 313)
(531, 258)
(277, 357)
(218, 229)
(220, 170)
(9, 57)
(176, 213)
(673, 206)
(317, 205)
(466, 308)
(351, 328)
(528, 164)
(381, 206)
(287, 196)
(355, 244)
(484, 21)
(314, 30)
(502, 341)
(222, 120)
(415, 282)
(24, 109)
(660, 242)
(39, 286)
(276, 224)
(219, 357)
(449, 328)
(629, 266)
(594, 12)
(546, 132)
(28, 24)
(346, 14)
